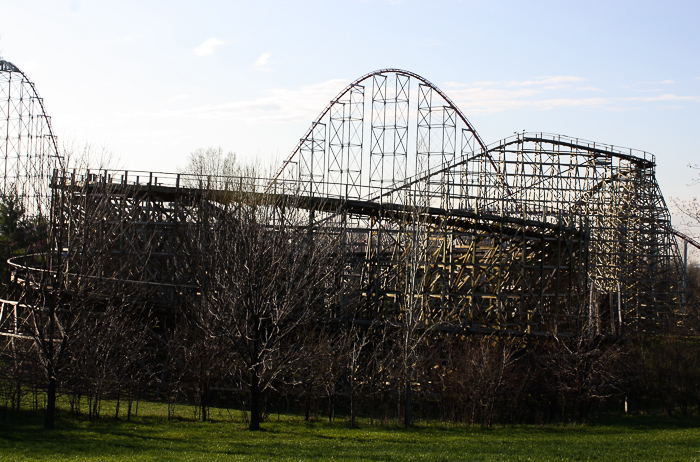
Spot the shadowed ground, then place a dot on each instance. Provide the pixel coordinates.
(153, 438)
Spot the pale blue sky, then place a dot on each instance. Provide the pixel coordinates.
(154, 80)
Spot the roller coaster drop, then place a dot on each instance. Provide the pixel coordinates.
(536, 234)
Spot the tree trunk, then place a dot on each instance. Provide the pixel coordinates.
(352, 398)
(331, 405)
(307, 400)
(254, 399)
(18, 395)
(50, 416)
(407, 408)
(96, 405)
(204, 401)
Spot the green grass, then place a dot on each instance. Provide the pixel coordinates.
(151, 437)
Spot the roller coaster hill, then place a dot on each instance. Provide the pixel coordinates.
(535, 234)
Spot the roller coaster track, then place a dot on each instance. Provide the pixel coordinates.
(522, 235)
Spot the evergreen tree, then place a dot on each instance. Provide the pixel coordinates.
(13, 231)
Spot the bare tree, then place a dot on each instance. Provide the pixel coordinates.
(83, 156)
(355, 343)
(672, 366)
(211, 161)
(418, 322)
(586, 370)
(198, 362)
(263, 274)
(478, 371)
(108, 351)
(83, 275)
(213, 169)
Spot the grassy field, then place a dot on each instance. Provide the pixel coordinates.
(151, 437)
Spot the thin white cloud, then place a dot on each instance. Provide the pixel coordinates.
(654, 82)
(450, 84)
(555, 80)
(208, 47)
(588, 88)
(263, 62)
(485, 105)
(664, 97)
(490, 94)
(649, 86)
(548, 82)
(484, 83)
(304, 104)
(277, 105)
(545, 93)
